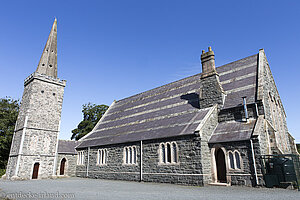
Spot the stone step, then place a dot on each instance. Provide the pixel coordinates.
(219, 184)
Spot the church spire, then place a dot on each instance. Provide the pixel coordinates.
(48, 61)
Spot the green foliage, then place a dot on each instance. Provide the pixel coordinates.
(9, 109)
(2, 172)
(92, 113)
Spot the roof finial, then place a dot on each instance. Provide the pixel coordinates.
(209, 49)
(203, 51)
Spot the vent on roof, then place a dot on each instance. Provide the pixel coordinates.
(245, 108)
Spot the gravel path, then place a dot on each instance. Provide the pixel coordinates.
(79, 188)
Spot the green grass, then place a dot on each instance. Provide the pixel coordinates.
(2, 172)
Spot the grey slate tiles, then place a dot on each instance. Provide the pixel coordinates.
(172, 109)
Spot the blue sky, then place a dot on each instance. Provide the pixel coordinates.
(114, 49)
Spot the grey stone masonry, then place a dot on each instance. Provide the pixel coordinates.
(188, 169)
(273, 108)
(245, 175)
(37, 128)
(211, 91)
(70, 165)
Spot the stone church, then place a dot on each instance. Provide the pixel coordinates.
(210, 128)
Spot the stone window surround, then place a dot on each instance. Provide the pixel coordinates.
(80, 158)
(126, 159)
(100, 154)
(160, 154)
(234, 161)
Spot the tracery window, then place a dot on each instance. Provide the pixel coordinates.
(130, 155)
(168, 153)
(80, 158)
(234, 160)
(101, 156)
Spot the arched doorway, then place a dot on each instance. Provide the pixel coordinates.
(62, 166)
(35, 172)
(221, 166)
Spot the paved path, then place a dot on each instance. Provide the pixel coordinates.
(79, 188)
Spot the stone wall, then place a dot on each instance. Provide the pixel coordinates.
(70, 165)
(238, 113)
(37, 127)
(187, 171)
(211, 91)
(245, 175)
(273, 107)
(205, 134)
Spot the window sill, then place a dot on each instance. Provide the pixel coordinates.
(235, 170)
(101, 165)
(167, 164)
(128, 164)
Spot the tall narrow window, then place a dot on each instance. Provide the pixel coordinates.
(102, 154)
(174, 156)
(134, 155)
(163, 153)
(126, 155)
(80, 158)
(169, 153)
(103, 157)
(237, 160)
(130, 155)
(231, 160)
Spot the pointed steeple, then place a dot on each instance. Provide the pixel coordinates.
(48, 62)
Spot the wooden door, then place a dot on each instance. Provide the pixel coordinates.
(62, 166)
(35, 172)
(221, 166)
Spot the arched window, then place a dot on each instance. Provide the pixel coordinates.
(80, 158)
(130, 155)
(168, 152)
(126, 155)
(174, 156)
(134, 155)
(102, 154)
(231, 160)
(169, 157)
(163, 153)
(237, 160)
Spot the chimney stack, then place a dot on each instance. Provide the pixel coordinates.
(208, 63)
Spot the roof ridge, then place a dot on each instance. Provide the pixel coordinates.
(198, 74)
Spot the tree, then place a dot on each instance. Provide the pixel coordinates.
(9, 109)
(92, 113)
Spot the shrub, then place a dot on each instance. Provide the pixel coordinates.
(2, 172)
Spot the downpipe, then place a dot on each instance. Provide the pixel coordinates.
(254, 163)
(141, 161)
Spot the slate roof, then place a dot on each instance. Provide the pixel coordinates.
(67, 147)
(172, 109)
(231, 131)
